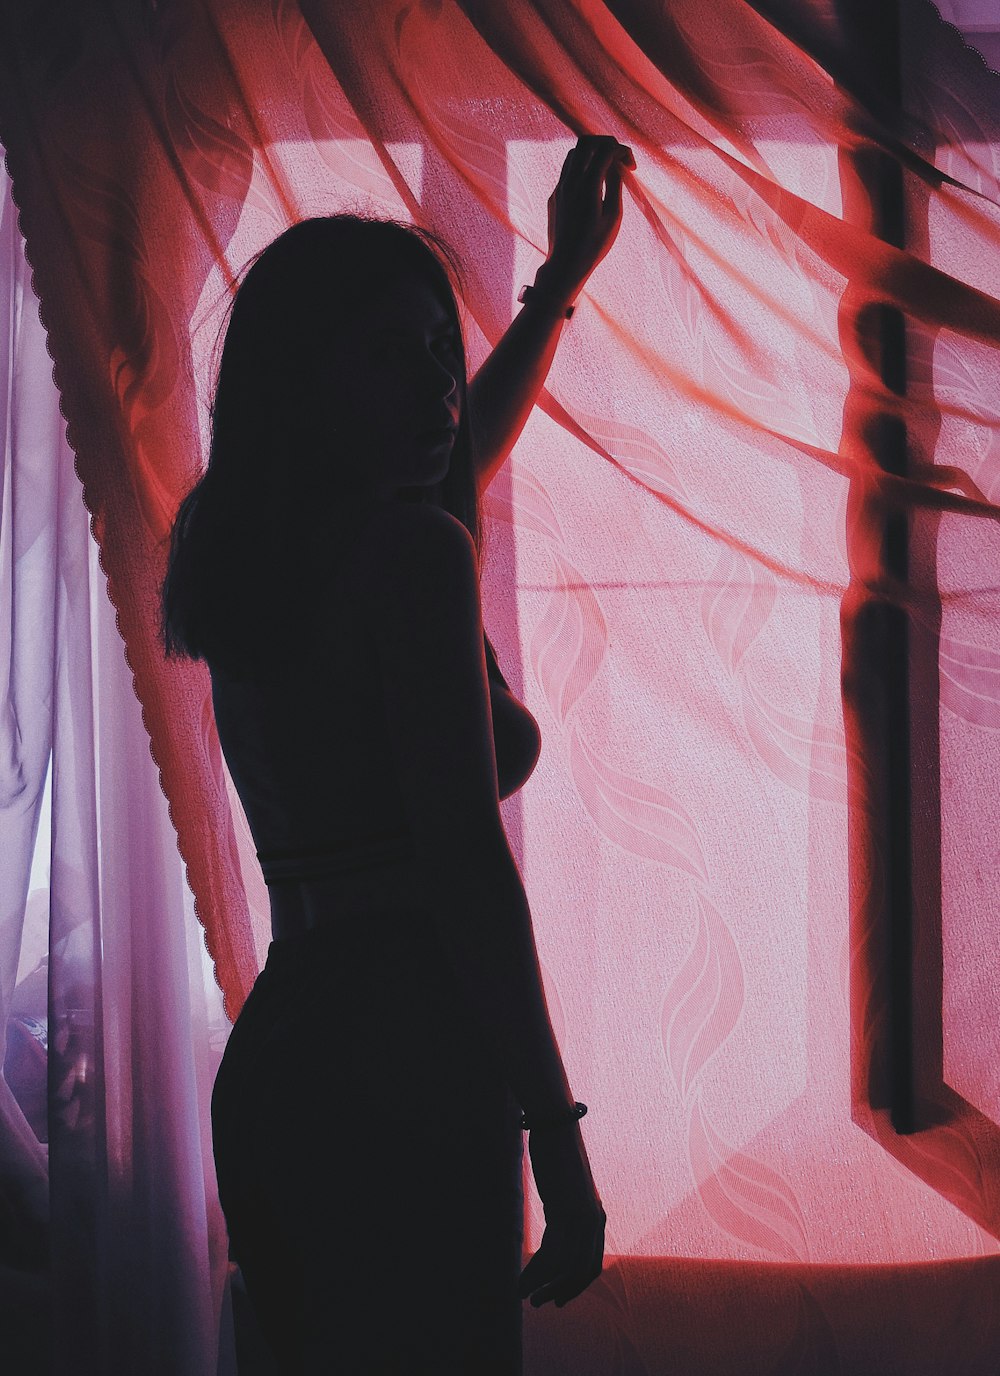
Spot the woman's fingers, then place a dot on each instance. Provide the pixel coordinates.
(563, 1273)
(593, 153)
(594, 149)
(602, 172)
(612, 189)
(585, 209)
(545, 1280)
(564, 1288)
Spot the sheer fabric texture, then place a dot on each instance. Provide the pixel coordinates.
(112, 1242)
(685, 551)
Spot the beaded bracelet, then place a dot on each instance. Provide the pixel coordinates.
(569, 1115)
(543, 298)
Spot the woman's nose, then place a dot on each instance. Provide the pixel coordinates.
(445, 375)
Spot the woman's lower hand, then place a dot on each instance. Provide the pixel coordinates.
(571, 1253)
(569, 1258)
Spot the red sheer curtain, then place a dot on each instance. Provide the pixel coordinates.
(768, 449)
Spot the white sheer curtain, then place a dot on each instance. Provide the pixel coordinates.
(107, 966)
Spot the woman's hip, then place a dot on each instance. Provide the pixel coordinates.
(348, 1027)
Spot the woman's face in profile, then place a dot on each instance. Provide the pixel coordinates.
(396, 384)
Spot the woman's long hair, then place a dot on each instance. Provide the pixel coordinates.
(237, 573)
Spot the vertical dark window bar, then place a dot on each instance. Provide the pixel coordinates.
(889, 220)
(876, 631)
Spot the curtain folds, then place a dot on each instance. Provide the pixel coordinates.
(741, 567)
(112, 1242)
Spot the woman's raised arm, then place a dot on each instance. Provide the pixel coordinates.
(583, 221)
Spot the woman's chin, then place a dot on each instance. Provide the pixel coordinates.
(432, 470)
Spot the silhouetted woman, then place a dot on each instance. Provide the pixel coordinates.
(367, 1115)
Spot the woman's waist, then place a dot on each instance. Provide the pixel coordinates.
(315, 885)
(342, 858)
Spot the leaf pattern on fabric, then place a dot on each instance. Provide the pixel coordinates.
(143, 369)
(767, 401)
(683, 291)
(951, 1158)
(704, 1001)
(217, 158)
(636, 450)
(103, 210)
(970, 681)
(962, 146)
(569, 643)
(957, 382)
(728, 363)
(340, 139)
(143, 360)
(523, 502)
(745, 72)
(747, 1199)
(808, 756)
(738, 599)
(479, 155)
(294, 32)
(635, 815)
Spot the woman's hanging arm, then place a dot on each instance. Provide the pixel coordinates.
(583, 220)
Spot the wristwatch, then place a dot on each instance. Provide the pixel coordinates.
(569, 1115)
(528, 293)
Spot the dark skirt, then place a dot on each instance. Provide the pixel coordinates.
(369, 1158)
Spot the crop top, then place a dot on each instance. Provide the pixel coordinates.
(310, 755)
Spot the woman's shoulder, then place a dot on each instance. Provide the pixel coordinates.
(407, 541)
(420, 521)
